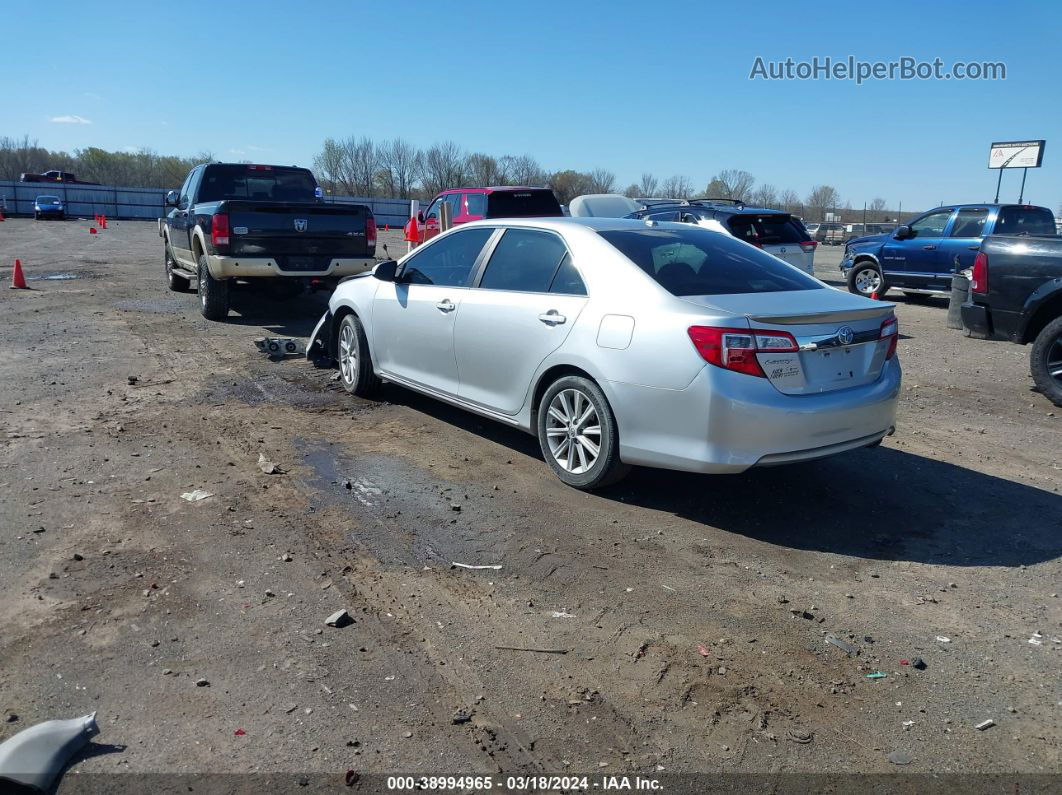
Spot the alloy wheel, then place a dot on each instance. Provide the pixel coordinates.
(868, 281)
(573, 431)
(348, 354)
(1054, 359)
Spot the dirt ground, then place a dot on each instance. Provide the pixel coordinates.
(693, 610)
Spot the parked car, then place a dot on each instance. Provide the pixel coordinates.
(265, 226)
(1016, 295)
(774, 231)
(919, 257)
(620, 342)
(48, 207)
(54, 176)
(475, 204)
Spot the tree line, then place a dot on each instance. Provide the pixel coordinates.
(361, 166)
(141, 169)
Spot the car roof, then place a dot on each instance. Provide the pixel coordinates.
(47, 196)
(492, 189)
(561, 223)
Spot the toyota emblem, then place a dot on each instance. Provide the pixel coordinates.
(845, 335)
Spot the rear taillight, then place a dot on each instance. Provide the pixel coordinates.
(979, 279)
(808, 246)
(735, 349)
(890, 331)
(370, 233)
(219, 230)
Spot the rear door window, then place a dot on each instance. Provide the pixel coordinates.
(477, 204)
(766, 230)
(695, 261)
(447, 261)
(522, 203)
(525, 260)
(969, 222)
(1025, 221)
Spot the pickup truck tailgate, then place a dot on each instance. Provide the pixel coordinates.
(300, 237)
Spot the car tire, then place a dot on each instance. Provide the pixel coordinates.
(865, 279)
(213, 293)
(567, 448)
(177, 284)
(1046, 358)
(355, 361)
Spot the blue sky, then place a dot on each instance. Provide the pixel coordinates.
(627, 86)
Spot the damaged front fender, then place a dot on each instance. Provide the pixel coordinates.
(34, 757)
(319, 348)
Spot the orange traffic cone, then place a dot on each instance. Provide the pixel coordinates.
(92, 230)
(18, 279)
(412, 233)
(874, 296)
(2, 216)
(103, 221)
(387, 227)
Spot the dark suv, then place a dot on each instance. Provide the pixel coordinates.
(776, 232)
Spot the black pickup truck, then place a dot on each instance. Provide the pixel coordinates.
(264, 226)
(1016, 295)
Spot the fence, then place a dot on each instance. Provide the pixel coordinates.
(86, 201)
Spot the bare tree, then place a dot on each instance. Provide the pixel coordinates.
(764, 196)
(732, 184)
(877, 208)
(790, 201)
(677, 187)
(328, 164)
(648, 185)
(443, 167)
(632, 191)
(361, 163)
(601, 181)
(822, 199)
(485, 170)
(523, 170)
(399, 163)
(568, 184)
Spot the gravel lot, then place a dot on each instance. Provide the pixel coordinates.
(694, 610)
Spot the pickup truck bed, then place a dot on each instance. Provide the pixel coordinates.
(1016, 295)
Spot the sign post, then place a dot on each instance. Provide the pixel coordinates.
(1015, 154)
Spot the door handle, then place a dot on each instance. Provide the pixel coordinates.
(446, 305)
(929, 248)
(973, 248)
(552, 318)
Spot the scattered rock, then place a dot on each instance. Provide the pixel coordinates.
(267, 466)
(801, 736)
(407, 735)
(461, 716)
(339, 619)
(900, 758)
(10, 717)
(919, 663)
(270, 593)
(78, 556)
(985, 724)
(202, 683)
(167, 672)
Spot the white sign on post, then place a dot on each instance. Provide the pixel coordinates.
(1016, 154)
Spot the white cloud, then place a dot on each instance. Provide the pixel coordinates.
(71, 119)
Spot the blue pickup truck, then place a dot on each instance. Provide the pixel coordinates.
(919, 257)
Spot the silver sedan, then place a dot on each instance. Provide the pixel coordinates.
(621, 342)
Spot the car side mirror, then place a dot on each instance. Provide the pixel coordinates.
(171, 198)
(386, 271)
(903, 231)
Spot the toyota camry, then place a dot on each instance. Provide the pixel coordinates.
(623, 342)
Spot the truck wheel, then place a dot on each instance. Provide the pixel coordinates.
(865, 279)
(355, 363)
(578, 434)
(213, 293)
(1046, 361)
(178, 284)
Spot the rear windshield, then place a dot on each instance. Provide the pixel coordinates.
(1025, 221)
(700, 262)
(766, 229)
(522, 203)
(256, 183)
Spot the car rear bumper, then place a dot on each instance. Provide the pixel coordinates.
(225, 267)
(728, 422)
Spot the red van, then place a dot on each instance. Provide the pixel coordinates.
(474, 204)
